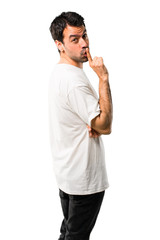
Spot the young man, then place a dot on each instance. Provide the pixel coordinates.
(77, 119)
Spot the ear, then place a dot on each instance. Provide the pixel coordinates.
(59, 45)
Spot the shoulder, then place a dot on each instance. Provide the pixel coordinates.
(71, 75)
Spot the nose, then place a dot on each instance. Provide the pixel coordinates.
(83, 43)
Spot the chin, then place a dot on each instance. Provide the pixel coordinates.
(85, 59)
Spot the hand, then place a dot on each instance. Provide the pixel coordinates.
(97, 65)
(93, 133)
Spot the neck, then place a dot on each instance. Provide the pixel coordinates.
(67, 60)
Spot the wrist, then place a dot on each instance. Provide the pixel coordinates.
(104, 77)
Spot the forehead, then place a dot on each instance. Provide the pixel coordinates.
(71, 30)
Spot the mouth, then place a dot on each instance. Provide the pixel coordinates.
(84, 53)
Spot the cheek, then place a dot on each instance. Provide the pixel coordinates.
(74, 49)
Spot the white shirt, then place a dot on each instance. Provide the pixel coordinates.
(79, 161)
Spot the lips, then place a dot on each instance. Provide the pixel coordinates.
(84, 53)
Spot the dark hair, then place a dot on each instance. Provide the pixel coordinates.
(60, 22)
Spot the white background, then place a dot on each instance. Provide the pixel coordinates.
(126, 34)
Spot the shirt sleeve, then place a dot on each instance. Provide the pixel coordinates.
(84, 103)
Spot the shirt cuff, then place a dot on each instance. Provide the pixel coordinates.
(92, 116)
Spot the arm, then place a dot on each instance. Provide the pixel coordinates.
(102, 123)
(92, 133)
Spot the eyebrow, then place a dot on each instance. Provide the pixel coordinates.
(76, 35)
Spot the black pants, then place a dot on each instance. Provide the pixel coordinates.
(80, 214)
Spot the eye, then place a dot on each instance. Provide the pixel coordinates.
(85, 35)
(75, 40)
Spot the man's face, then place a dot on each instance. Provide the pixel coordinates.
(75, 42)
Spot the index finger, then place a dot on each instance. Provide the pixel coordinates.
(88, 55)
